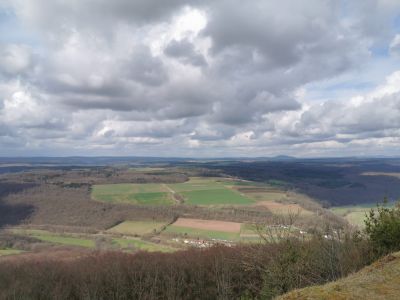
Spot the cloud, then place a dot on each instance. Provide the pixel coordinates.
(15, 59)
(196, 77)
(185, 52)
(394, 46)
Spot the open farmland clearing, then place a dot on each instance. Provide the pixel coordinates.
(206, 229)
(137, 227)
(209, 191)
(261, 193)
(284, 209)
(143, 194)
(138, 244)
(56, 238)
(201, 233)
(355, 214)
(196, 191)
(208, 224)
(9, 251)
(215, 197)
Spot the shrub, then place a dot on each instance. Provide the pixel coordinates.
(383, 228)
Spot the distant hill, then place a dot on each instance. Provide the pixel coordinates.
(381, 280)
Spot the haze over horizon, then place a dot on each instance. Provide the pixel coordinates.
(175, 78)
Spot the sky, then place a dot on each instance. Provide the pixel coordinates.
(200, 78)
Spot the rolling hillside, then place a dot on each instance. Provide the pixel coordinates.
(381, 280)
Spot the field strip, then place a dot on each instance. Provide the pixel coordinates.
(178, 199)
(209, 225)
(276, 207)
(169, 189)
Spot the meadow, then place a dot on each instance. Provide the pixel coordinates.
(56, 238)
(8, 251)
(212, 229)
(196, 233)
(137, 244)
(89, 241)
(137, 227)
(196, 191)
(355, 214)
(209, 191)
(143, 194)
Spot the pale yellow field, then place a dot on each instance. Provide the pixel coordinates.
(137, 227)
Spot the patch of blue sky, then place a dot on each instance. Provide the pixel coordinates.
(380, 51)
(396, 23)
(12, 32)
(339, 88)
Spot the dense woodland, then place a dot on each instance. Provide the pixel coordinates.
(246, 272)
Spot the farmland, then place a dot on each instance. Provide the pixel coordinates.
(209, 191)
(202, 191)
(205, 229)
(137, 244)
(145, 194)
(355, 214)
(132, 208)
(285, 209)
(57, 238)
(137, 227)
(196, 191)
(111, 241)
(211, 229)
(4, 252)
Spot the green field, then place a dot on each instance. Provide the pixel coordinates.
(200, 233)
(56, 238)
(355, 214)
(215, 197)
(143, 194)
(137, 227)
(70, 240)
(209, 191)
(196, 191)
(66, 240)
(137, 244)
(198, 184)
(247, 233)
(8, 251)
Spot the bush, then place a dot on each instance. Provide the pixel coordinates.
(383, 228)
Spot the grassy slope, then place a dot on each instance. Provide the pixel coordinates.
(4, 252)
(381, 280)
(136, 227)
(201, 233)
(55, 238)
(145, 194)
(215, 197)
(142, 245)
(355, 214)
(209, 191)
(66, 240)
(197, 191)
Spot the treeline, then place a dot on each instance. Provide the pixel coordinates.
(242, 272)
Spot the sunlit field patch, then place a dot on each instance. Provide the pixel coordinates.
(137, 227)
(143, 194)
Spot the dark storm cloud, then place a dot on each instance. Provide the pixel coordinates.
(184, 50)
(145, 68)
